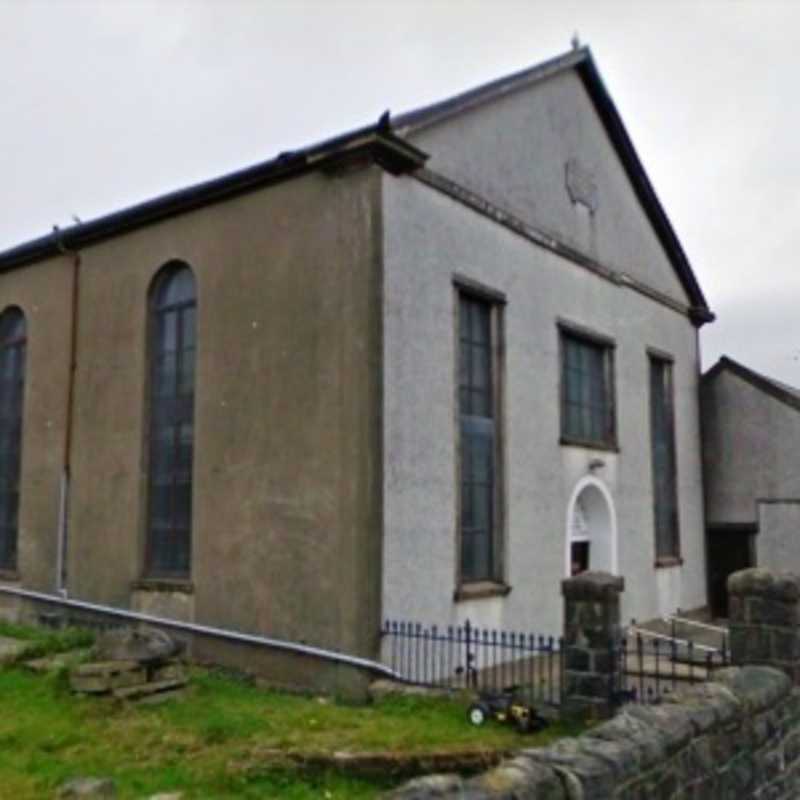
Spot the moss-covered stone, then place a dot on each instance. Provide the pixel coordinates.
(736, 739)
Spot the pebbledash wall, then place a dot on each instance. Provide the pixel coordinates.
(430, 239)
(288, 330)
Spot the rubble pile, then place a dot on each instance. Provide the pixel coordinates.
(142, 665)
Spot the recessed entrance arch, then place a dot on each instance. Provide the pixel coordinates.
(591, 540)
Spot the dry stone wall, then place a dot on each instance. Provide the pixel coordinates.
(765, 619)
(737, 737)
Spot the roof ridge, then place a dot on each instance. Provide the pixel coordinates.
(387, 138)
(582, 61)
(417, 118)
(778, 389)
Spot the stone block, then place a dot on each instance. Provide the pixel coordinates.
(737, 641)
(668, 783)
(577, 659)
(90, 684)
(752, 609)
(12, 650)
(595, 776)
(585, 708)
(702, 714)
(593, 586)
(758, 581)
(700, 757)
(161, 697)
(757, 687)
(591, 630)
(735, 609)
(621, 757)
(128, 678)
(755, 645)
(772, 763)
(639, 735)
(146, 689)
(173, 671)
(785, 644)
(791, 705)
(777, 612)
(57, 662)
(759, 732)
(104, 676)
(428, 788)
(105, 668)
(673, 723)
(791, 746)
(604, 661)
(94, 788)
(587, 684)
(146, 645)
(520, 778)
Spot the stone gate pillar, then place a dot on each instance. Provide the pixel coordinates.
(592, 633)
(764, 609)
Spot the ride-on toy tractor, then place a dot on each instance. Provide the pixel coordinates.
(505, 707)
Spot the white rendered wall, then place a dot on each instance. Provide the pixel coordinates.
(513, 151)
(429, 238)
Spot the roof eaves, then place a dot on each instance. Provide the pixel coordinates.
(611, 118)
(582, 61)
(786, 394)
(376, 142)
(416, 119)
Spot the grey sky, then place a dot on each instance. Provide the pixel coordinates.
(103, 104)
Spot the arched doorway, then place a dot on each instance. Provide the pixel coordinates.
(591, 529)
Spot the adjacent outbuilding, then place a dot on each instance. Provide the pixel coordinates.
(751, 441)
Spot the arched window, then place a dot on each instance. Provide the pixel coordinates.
(171, 430)
(12, 384)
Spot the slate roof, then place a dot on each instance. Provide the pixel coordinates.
(581, 61)
(777, 389)
(376, 141)
(385, 143)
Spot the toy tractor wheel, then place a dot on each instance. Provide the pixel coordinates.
(523, 724)
(477, 714)
(538, 723)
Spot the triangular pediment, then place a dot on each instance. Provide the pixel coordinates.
(548, 146)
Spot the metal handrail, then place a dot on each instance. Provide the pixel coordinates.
(685, 642)
(685, 621)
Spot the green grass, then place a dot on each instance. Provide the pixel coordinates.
(44, 642)
(220, 741)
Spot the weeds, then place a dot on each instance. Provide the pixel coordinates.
(218, 742)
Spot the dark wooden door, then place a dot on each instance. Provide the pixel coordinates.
(728, 551)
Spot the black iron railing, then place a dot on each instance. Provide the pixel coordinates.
(648, 667)
(467, 657)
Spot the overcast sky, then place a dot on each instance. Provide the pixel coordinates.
(103, 104)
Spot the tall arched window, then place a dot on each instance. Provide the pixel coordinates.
(12, 384)
(171, 432)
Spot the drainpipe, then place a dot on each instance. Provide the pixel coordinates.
(64, 489)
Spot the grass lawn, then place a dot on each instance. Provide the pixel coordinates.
(217, 742)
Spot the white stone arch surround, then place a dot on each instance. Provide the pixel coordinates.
(601, 523)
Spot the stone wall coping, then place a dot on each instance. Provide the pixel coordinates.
(592, 586)
(759, 581)
(638, 739)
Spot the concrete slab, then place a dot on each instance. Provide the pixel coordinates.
(57, 661)
(11, 650)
